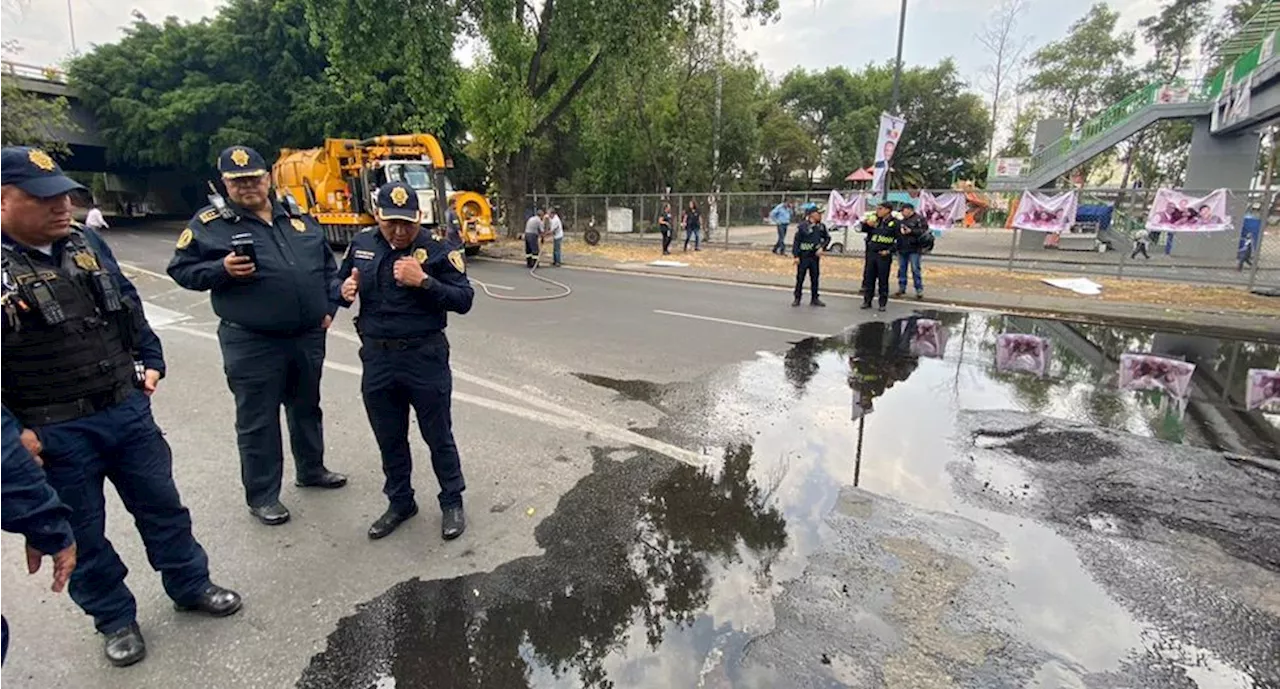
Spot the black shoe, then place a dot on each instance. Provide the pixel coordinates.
(900, 292)
(882, 307)
(919, 295)
(125, 647)
(215, 601)
(452, 523)
(816, 302)
(866, 304)
(796, 301)
(390, 520)
(326, 479)
(273, 514)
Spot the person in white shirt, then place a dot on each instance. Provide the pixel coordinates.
(95, 221)
(556, 227)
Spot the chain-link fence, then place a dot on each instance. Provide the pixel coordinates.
(1108, 238)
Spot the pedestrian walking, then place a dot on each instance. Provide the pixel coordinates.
(881, 238)
(664, 226)
(914, 236)
(1140, 240)
(555, 226)
(534, 228)
(407, 283)
(80, 365)
(780, 216)
(811, 242)
(270, 275)
(692, 223)
(94, 220)
(1244, 255)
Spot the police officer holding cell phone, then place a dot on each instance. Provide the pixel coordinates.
(270, 272)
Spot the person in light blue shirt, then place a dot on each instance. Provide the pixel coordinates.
(780, 216)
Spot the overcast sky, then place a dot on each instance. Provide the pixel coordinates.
(812, 33)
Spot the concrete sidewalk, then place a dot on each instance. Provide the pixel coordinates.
(1257, 323)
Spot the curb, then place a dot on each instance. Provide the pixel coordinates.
(1265, 332)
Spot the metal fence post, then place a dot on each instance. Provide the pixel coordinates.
(728, 217)
(1013, 246)
(575, 211)
(1257, 250)
(1120, 267)
(644, 223)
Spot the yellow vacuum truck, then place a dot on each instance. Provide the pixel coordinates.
(336, 183)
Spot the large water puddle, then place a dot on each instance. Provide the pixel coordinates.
(936, 542)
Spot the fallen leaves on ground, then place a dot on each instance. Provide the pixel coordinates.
(743, 264)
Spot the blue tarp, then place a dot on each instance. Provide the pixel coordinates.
(1100, 214)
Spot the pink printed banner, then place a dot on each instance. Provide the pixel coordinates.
(1263, 389)
(1151, 372)
(1022, 353)
(1041, 213)
(943, 211)
(929, 339)
(844, 212)
(1174, 211)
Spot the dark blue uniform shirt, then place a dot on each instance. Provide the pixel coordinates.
(147, 344)
(809, 239)
(30, 505)
(296, 273)
(882, 235)
(391, 311)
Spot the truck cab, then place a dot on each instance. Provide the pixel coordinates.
(415, 173)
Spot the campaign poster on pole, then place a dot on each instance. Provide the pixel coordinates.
(886, 142)
(844, 212)
(942, 211)
(1174, 211)
(1041, 213)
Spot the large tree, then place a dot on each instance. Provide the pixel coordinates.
(1078, 75)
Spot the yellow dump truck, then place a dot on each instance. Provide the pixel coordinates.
(336, 184)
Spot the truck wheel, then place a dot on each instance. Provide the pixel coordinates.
(471, 250)
(591, 236)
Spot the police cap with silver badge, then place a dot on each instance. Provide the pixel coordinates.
(241, 161)
(35, 172)
(398, 201)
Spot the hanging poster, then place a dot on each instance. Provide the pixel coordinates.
(943, 211)
(929, 339)
(1263, 389)
(1016, 352)
(1042, 213)
(844, 212)
(886, 142)
(1151, 372)
(1010, 167)
(1174, 211)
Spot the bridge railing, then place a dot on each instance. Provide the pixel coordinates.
(44, 73)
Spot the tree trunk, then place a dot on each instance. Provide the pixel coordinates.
(515, 190)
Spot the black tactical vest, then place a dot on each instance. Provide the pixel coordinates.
(72, 357)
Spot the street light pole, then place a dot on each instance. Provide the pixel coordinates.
(71, 22)
(897, 63)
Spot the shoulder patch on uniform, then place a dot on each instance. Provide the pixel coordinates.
(420, 255)
(455, 259)
(184, 239)
(298, 224)
(208, 216)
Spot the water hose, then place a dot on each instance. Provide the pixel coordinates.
(533, 274)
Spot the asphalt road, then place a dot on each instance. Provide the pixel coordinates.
(524, 426)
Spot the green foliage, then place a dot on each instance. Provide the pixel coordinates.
(33, 120)
(1085, 71)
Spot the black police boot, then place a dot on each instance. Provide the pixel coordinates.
(816, 302)
(215, 601)
(866, 304)
(883, 305)
(795, 302)
(390, 520)
(452, 523)
(325, 479)
(125, 646)
(273, 514)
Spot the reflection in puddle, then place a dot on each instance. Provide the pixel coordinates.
(657, 574)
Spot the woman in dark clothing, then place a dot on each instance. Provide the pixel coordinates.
(664, 226)
(692, 225)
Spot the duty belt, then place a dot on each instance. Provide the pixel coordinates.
(400, 344)
(282, 334)
(67, 411)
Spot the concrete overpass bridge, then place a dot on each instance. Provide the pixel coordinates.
(129, 190)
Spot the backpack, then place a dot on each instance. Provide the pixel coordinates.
(926, 242)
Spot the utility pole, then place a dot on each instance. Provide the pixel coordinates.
(897, 63)
(71, 22)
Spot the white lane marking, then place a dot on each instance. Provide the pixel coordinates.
(158, 316)
(555, 415)
(166, 242)
(144, 271)
(726, 321)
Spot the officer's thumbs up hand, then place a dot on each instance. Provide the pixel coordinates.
(351, 285)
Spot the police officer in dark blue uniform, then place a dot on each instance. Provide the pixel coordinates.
(407, 282)
(73, 330)
(271, 275)
(811, 240)
(31, 508)
(882, 237)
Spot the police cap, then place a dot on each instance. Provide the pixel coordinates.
(241, 161)
(398, 201)
(35, 172)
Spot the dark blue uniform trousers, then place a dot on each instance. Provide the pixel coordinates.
(415, 373)
(265, 372)
(123, 444)
(875, 275)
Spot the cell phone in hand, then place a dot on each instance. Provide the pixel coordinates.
(242, 245)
